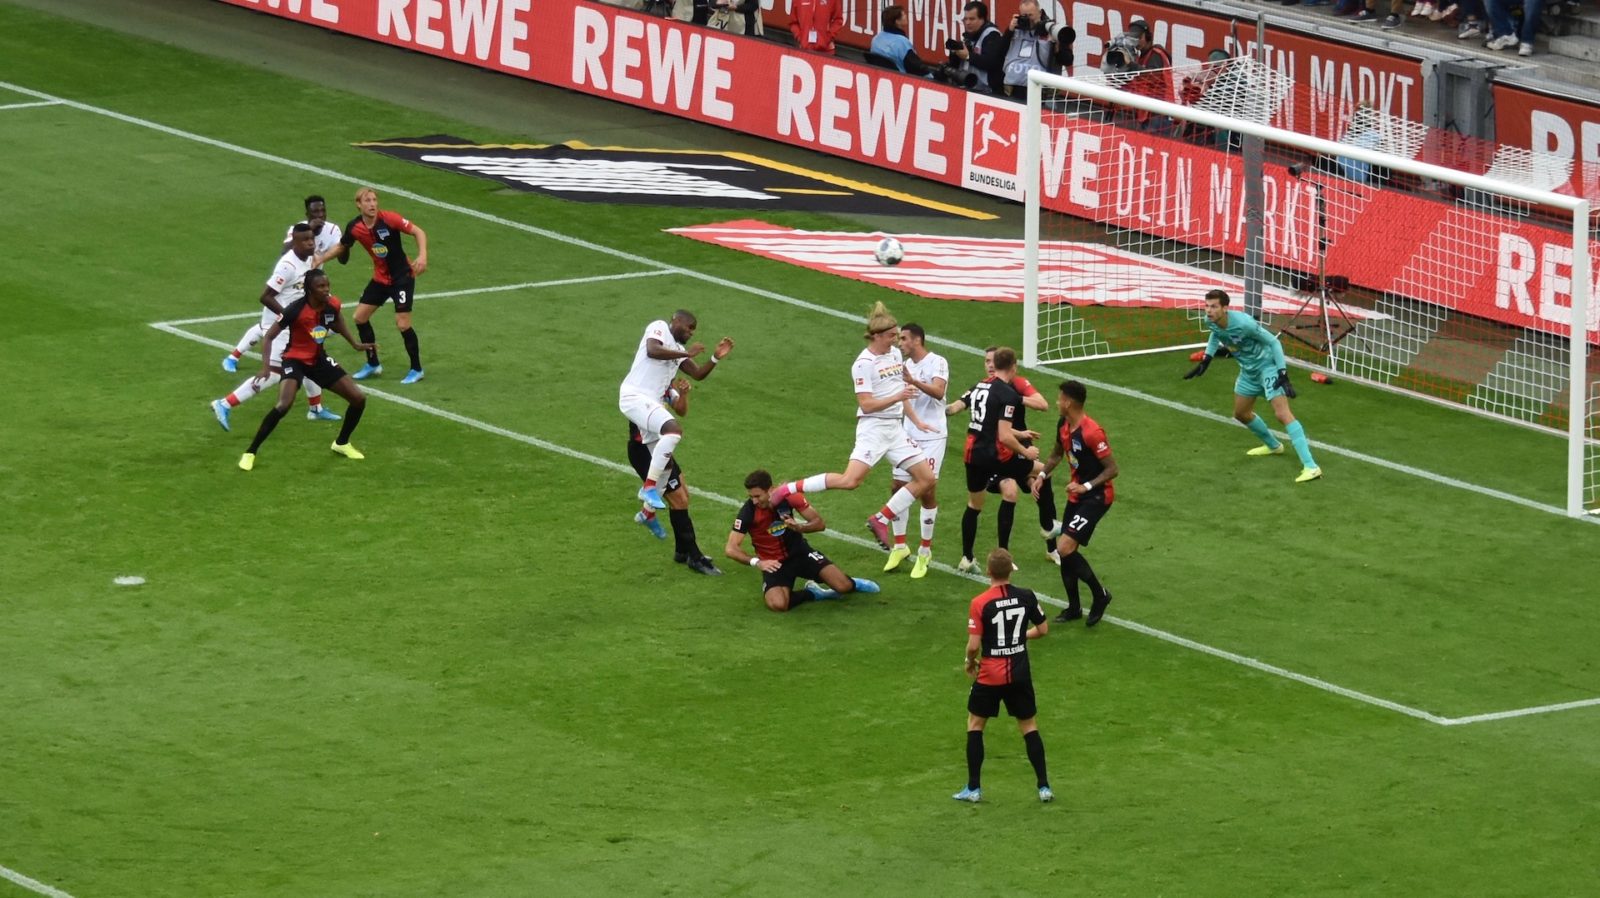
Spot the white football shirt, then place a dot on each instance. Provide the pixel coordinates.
(326, 239)
(652, 376)
(929, 409)
(288, 280)
(882, 376)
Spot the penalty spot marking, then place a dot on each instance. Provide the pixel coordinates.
(128, 580)
(1242, 660)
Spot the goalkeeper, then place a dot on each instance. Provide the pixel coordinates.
(1262, 372)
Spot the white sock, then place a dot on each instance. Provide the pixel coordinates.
(251, 337)
(900, 502)
(313, 393)
(898, 526)
(816, 483)
(661, 456)
(929, 515)
(253, 386)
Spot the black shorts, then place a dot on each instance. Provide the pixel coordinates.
(324, 372)
(403, 292)
(1081, 517)
(1018, 697)
(639, 457)
(982, 472)
(800, 566)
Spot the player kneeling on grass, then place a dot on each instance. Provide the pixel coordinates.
(309, 320)
(1000, 621)
(782, 554)
(1263, 371)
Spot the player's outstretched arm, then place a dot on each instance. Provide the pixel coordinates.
(1199, 368)
(700, 371)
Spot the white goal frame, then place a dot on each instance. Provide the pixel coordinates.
(1579, 405)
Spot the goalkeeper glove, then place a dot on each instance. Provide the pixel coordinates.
(1282, 383)
(1205, 362)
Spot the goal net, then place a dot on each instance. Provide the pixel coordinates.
(1429, 264)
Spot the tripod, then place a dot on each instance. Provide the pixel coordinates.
(1333, 322)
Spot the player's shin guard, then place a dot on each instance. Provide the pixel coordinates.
(352, 417)
(900, 503)
(265, 430)
(816, 483)
(661, 456)
(1069, 582)
(253, 386)
(929, 516)
(898, 528)
(683, 539)
(1263, 432)
(313, 393)
(1008, 513)
(409, 337)
(1035, 745)
(1302, 446)
(969, 530)
(250, 338)
(974, 759)
(368, 335)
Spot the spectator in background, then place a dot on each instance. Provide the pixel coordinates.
(1029, 46)
(892, 43)
(1506, 35)
(1153, 65)
(1065, 38)
(1370, 14)
(1472, 14)
(983, 47)
(816, 23)
(1363, 132)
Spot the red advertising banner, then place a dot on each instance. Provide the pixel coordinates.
(1561, 126)
(1333, 77)
(1518, 273)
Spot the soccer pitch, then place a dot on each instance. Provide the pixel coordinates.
(458, 668)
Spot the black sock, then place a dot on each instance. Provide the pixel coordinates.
(974, 759)
(1086, 574)
(274, 415)
(367, 334)
(1008, 513)
(683, 540)
(969, 530)
(409, 337)
(352, 417)
(1069, 582)
(1047, 511)
(1035, 744)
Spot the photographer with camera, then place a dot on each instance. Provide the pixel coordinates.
(1030, 44)
(892, 43)
(1145, 68)
(981, 49)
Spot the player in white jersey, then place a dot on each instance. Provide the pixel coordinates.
(659, 358)
(882, 389)
(285, 285)
(325, 235)
(929, 373)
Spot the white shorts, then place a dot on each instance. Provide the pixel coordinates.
(932, 449)
(646, 412)
(878, 438)
(275, 352)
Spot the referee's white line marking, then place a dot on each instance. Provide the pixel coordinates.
(29, 106)
(765, 294)
(617, 467)
(31, 884)
(530, 285)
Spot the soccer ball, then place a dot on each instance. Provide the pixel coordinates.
(889, 251)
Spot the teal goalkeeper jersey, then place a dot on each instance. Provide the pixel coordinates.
(1254, 346)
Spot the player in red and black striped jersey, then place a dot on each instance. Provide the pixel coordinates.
(1081, 441)
(1031, 398)
(782, 554)
(1000, 621)
(309, 320)
(995, 451)
(394, 275)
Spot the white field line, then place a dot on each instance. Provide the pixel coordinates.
(1327, 448)
(31, 884)
(617, 467)
(1520, 712)
(29, 106)
(530, 285)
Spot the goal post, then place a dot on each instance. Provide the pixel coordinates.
(1466, 288)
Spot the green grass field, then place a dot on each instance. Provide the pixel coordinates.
(458, 668)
